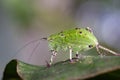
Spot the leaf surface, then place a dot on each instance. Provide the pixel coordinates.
(85, 68)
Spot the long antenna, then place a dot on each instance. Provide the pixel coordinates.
(34, 50)
(108, 50)
(18, 51)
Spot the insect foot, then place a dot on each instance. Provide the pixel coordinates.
(118, 54)
(48, 64)
(72, 61)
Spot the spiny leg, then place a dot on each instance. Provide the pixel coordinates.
(97, 47)
(54, 53)
(108, 50)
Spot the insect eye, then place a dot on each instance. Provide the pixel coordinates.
(90, 46)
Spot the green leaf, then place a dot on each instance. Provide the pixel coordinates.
(10, 72)
(88, 67)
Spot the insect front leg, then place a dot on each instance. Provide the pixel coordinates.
(54, 53)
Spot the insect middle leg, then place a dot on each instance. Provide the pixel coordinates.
(77, 56)
(70, 53)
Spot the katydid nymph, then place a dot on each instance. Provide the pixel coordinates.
(75, 41)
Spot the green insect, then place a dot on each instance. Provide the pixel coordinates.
(75, 41)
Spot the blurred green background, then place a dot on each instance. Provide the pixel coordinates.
(22, 21)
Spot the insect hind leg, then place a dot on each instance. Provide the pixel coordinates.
(98, 50)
